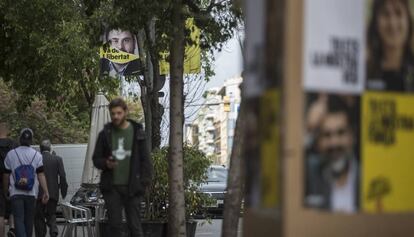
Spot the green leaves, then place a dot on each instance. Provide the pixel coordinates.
(48, 52)
(195, 167)
(217, 20)
(66, 125)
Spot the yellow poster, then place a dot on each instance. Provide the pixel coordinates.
(192, 54)
(387, 152)
(270, 142)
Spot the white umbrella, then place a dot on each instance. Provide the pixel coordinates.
(100, 116)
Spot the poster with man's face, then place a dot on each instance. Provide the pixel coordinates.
(119, 56)
(332, 161)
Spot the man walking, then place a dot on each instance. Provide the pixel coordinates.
(56, 180)
(26, 168)
(122, 154)
(6, 144)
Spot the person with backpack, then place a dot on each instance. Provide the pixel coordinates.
(6, 144)
(24, 171)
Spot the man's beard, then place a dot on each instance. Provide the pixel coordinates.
(338, 161)
(118, 122)
(339, 166)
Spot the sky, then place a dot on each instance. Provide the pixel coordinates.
(228, 64)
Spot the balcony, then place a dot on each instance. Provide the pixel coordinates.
(210, 116)
(210, 128)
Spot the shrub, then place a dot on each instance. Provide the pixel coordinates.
(195, 166)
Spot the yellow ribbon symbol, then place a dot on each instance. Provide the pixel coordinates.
(115, 55)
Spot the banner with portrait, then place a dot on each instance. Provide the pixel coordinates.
(332, 160)
(119, 55)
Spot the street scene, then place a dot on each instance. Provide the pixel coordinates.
(203, 229)
(206, 118)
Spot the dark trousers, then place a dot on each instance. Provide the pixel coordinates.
(2, 203)
(46, 215)
(115, 201)
(23, 209)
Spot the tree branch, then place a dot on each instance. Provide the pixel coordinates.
(203, 12)
(193, 7)
(214, 4)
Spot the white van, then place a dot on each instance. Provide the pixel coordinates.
(73, 156)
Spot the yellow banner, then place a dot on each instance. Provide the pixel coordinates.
(115, 55)
(387, 152)
(192, 54)
(270, 143)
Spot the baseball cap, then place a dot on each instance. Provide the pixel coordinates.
(26, 134)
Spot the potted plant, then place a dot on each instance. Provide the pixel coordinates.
(155, 210)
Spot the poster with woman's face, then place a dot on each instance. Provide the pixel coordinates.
(119, 54)
(390, 57)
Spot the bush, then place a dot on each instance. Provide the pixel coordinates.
(195, 167)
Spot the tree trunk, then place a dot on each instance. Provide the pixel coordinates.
(378, 204)
(146, 86)
(146, 105)
(156, 107)
(176, 215)
(234, 196)
(157, 112)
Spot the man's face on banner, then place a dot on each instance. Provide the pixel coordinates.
(336, 139)
(122, 40)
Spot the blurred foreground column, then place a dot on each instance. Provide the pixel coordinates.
(275, 132)
(263, 76)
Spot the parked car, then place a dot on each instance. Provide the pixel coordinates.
(216, 186)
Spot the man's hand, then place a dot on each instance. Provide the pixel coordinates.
(45, 198)
(111, 163)
(63, 193)
(316, 112)
(42, 180)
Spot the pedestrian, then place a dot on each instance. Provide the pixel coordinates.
(24, 171)
(56, 180)
(121, 153)
(6, 144)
